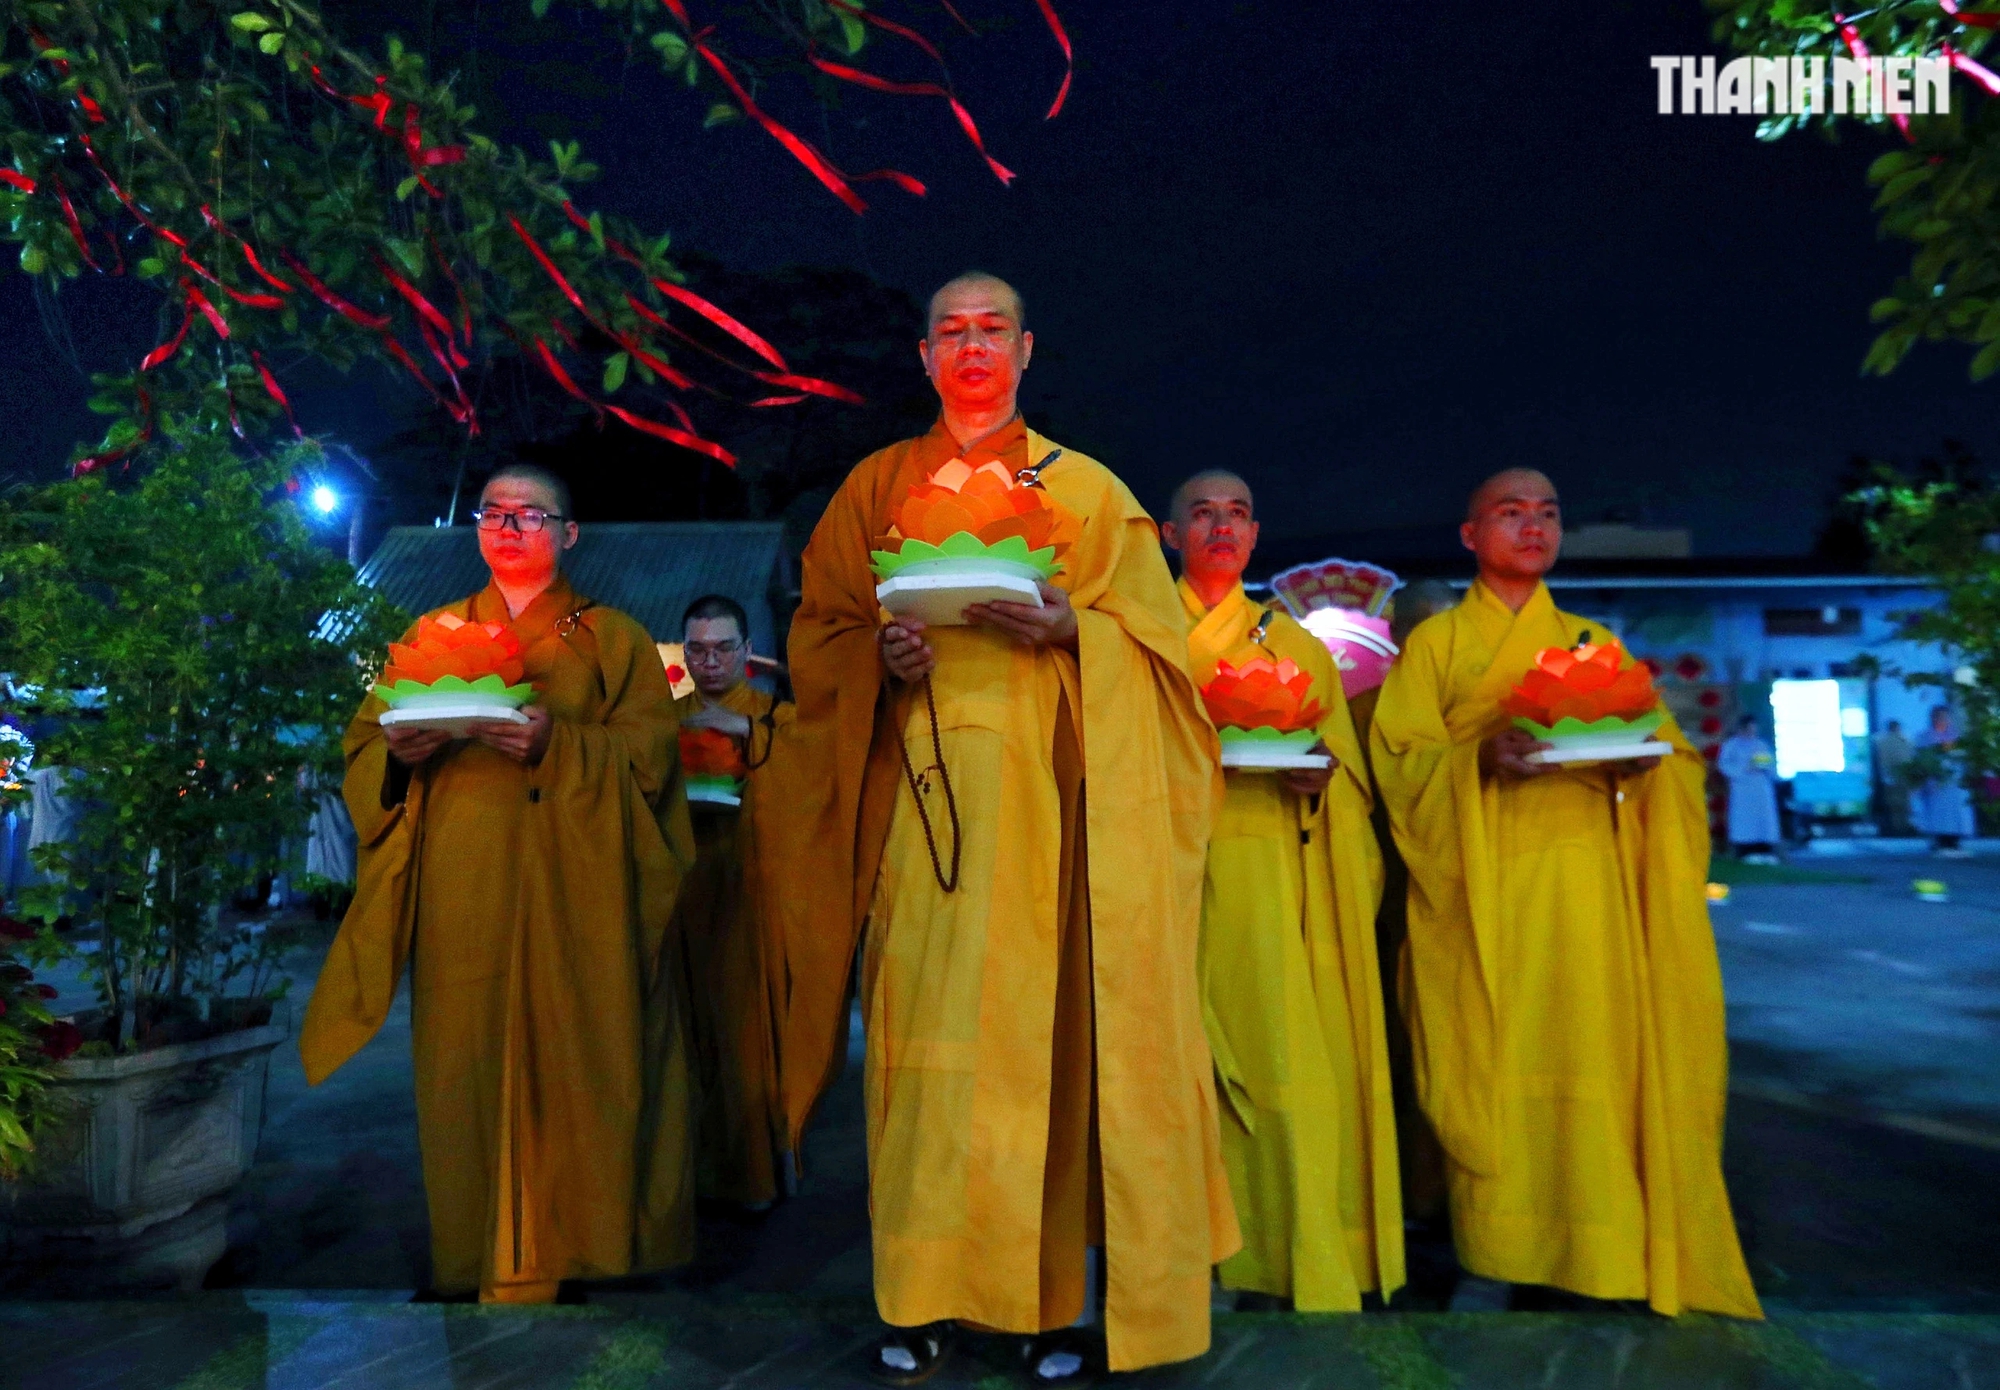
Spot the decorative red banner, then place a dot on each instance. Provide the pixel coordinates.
(373, 322)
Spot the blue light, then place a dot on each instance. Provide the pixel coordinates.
(325, 500)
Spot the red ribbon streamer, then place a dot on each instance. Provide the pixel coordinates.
(777, 400)
(75, 227)
(823, 169)
(275, 391)
(427, 311)
(916, 89)
(95, 461)
(166, 350)
(687, 439)
(249, 254)
(464, 308)
(14, 180)
(728, 324)
(901, 31)
(199, 301)
(165, 233)
(548, 266)
(1860, 51)
(1069, 57)
(373, 322)
(1978, 19)
(952, 10)
(1977, 71)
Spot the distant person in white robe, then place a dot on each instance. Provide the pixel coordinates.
(1940, 806)
(1747, 761)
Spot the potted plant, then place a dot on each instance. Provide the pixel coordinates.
(199, 653)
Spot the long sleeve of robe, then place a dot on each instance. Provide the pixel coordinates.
(1561, 983)
(731, 1026)
(1293, 999)
(531, 906)
(999, 1139)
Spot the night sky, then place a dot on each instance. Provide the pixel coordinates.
(1363, 255)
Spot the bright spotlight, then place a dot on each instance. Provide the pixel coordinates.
(325, 500)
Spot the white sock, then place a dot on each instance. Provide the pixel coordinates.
(1058, 1364)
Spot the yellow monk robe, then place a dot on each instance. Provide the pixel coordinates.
(531, 905)
(732, 1018)
(1293, 998)
(995, 1146)
(1561, 983)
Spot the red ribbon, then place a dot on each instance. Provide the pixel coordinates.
(275, 391)
(1860, 52)
(426, 311)
(812, 385)
(1069, 58)
(75, 227)
(952, 10)
(727, 323)
(915, 89)
(901, 31)
(249, 254)
(460, 410)
(164, 233)
(14, 180)
(464, 308)
(823, 169)
(91, 110)
(548, 266)
(95, 461)
(373, 322)
(1978, 19)
(777, 400)
(686, 438)
(200, 302)
(166, 350)
(1977, 71)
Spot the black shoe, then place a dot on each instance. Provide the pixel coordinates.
(433, 1296)
(926, 1349)
(1250, 1301)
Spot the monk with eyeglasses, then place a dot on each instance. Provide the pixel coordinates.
(526, 875)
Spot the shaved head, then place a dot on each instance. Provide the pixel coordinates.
(976, 284)
(1518, 484)
(1214, 483)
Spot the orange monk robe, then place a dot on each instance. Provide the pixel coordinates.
(1561, 983)
(531, 905)
(995, 1146)
(1293, 997)
(732, 1007)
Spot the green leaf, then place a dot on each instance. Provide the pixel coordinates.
(406, 188)
(33, 260)
(853, 31)
(672, 47)
(722, 113)
(410, 253)
(250, 22)
(614, 371)
(1986, 362)
(272, 42)
(152, 265)
(539, 8)
(597, 229)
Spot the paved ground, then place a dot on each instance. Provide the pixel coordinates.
(1863, 1157)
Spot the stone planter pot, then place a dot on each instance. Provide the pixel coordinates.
(133, 1192)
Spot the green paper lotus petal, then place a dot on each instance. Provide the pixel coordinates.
(1571, 727)
(963, 545)
(401, 691)
(715, 782)
(1298, 740)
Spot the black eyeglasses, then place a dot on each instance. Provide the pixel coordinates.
(527, 521)
(711, 651)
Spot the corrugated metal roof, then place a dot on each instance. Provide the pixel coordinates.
(651, 570)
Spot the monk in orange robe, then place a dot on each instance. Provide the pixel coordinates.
(1037, 1078)
(526, 874)
(728, 727)
(1560, 976)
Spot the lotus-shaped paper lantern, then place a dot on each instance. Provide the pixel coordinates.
(983, 513)
(1586, 689)
(713, 762)
(450, 656)
(1263, 700)
(1335, 583)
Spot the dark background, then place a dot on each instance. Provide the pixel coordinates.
(1364, 255)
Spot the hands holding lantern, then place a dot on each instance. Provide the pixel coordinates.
(1587, 690)
(448, 654)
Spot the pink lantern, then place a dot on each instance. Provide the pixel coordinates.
(1360, 645)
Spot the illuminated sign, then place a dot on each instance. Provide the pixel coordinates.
(1806, 718)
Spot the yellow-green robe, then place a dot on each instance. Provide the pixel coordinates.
(531, 905)
(1292, 996)
(1560, 981)
(1000, 1139)
(732, 992)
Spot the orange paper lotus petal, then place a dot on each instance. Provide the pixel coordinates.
(711, 753)
(981, 502)
(449, 646)
(1590, 683)
(1262, 694)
